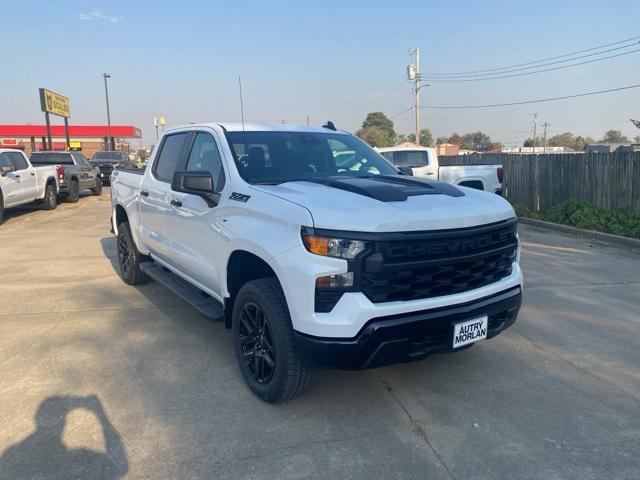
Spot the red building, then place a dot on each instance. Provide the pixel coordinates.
(85, 138)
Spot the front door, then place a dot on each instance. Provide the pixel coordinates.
(198, 238)
(27, 176)
(10, 182)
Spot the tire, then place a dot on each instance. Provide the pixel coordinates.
(97, 190)
(1, 209)
(129, 258)
(74, 192)
(264, 345)
(50, 200)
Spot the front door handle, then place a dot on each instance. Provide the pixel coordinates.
(33, 174)
(17, 176)
(176, 203)
(144, 193)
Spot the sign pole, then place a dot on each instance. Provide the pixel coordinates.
(46, 117)
(66, 131)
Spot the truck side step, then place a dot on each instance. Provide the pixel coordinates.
(204, 303)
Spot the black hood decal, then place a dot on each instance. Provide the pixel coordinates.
(387, 188)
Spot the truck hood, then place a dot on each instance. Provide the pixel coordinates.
(362, 206)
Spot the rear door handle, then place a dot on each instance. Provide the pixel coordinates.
(17, 176)
(144, 193)
(176, 203)
(32, 174)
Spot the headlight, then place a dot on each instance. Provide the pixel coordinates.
(333, 247)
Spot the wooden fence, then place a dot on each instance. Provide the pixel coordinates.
(610, 181)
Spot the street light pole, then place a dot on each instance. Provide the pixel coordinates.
(106, 94)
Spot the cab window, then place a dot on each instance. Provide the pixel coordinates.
(206, 156)
(172, 148)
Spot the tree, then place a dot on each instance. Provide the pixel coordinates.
(455, 139)
(375, 136)
(380, 120)
(529, 142)
(565, 139)
(441, 140)
(401, 138)
(378, 130)
(426, 139)
(636, 139)
(614, 136)
(476, 141)
(579, 142)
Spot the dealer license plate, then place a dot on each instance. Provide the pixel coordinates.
(470, 331)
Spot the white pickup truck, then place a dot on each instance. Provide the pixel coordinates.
(423, 162)
(313, 260)
(22, 183)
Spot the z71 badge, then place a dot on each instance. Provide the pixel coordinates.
(240, 197)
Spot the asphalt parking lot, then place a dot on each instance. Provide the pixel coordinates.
(103, 380)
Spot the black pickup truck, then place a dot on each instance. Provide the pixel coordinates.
(106, 161)
(74, 172)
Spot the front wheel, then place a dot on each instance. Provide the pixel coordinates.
(264, 345)
(97, 190)
(74, 192)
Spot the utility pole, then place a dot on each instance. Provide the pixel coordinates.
(106, 94)
(535, 130)
(544, 137)
(417, 93)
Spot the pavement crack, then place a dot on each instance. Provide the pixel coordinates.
(416, 427)
(63, 317)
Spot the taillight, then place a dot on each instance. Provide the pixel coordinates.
(500, 174)
(60, 172)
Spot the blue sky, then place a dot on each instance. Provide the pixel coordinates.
(303, 58)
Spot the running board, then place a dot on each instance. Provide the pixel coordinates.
(204, 303)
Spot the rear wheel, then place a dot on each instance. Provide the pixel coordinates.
(74, 192)
(129, 258)
(97, 190)
(50, 201)
(1, 209)
(264, 345)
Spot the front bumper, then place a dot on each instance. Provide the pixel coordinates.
(409, 336)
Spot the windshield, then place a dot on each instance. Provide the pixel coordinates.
(277, 157)
(107, 156)
(51, 159)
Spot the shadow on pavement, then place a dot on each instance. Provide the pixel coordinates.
(44, 455)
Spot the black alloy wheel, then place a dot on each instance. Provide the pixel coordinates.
(257, 344)
(124, 259)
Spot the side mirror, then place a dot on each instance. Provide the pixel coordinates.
(6, 169)
(196, 182)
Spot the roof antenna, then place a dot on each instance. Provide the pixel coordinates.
(330, 126)
(244, 133)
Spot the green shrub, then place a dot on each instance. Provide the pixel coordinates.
(586, 215)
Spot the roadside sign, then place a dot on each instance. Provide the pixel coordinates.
(55, 103)
(52, 102)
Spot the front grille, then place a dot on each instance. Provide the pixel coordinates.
(433, 264)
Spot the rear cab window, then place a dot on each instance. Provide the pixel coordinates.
(51, 158)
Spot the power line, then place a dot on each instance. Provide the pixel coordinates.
(403, 111)
(536, 71)
(537, 61)
(376, 100)
(524, 102)
(371, 85)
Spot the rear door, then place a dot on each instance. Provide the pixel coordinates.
(156, 212)
(10, 183)
(26, 175)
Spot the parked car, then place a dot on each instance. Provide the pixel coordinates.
(423, 162)
(106, 161)
(22, 183)
(75, 174)
(313, 262)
